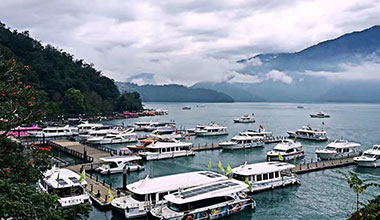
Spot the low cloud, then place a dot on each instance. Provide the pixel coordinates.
(278, 76)
(365, 71)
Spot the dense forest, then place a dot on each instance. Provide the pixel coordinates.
(174, 93)
(70, 86)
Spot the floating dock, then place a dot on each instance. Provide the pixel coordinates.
(322, 165)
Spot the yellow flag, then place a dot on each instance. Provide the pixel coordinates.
(280, 157)
(229, 170)
(221, 167)
(295, 160)
(209, 164)
(82, 176)
(249, 184)
(110, 196)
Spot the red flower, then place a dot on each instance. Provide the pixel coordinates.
(19, 83)
(14, 93)
(7, 170)
(2, 94)
(31, 163)
(4, 120)
(32, 98)
(30, 103)
(28, 87)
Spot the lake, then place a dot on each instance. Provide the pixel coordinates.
(321, 195)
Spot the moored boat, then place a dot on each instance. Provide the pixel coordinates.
(210, 201)
(164, 149)
(211, 130)
(339, 149)
(288, 149)
(307, 133)
(266, 175)
(243, 142)
(149, 192)
(118, 163)
(50, 132)
(370, 158)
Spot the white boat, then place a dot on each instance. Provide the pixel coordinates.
(86, 127)
(165, 130)
(160, 125)
(265, 134)
(158, 150)
(370, 158)
(266, 175)
(50, 132)
(307, 133)
(116, 164)
(110, 138)
(211, 130)
(96, 136)
(99, 131)
(67, 188)
(320, 115)
(210, 201)
(142, 125)
(339, 149)
(197, 128)
(149, 192)
(288, 149)
(186, 108)
(243, 142)
(245, 119)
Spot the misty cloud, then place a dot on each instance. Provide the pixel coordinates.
(278, 76)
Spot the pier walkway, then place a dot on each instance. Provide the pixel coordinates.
(322, 165)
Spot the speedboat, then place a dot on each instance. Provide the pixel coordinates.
(50, 132)
(165, 130)
(164, 149)
(65, 184)
(339, 149)
(161, 125)
(370, 158)
(243, 142)
(210, 201)
(117, 164)
(245, 119)
(307, 133)
(148, 193)
(122, 137)
(85, 127)
(288, 149)
(211, 130)
(320, 115)
(266, 175)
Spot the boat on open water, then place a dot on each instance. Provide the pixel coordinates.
(211, 130)
(245, 119)
(320, 115)
(307, 133)
(370, 158)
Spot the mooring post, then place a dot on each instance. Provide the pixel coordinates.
(125, 177)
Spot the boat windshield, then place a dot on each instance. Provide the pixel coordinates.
(69, 191)
(330, 148)
(138, 197)
(368, 155)
(238, 177)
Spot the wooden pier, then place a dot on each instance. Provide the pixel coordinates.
(322, 165)
(206, 147)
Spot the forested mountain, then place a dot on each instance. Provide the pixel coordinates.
(54, 72)
(174, 93)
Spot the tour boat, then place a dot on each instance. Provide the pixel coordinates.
(23, 131)
(116, 164)
(50, 132)
(165, 130)
(211, 130)
(266, 175)
(288, 149)
(339, 149)
(307, 133)
(370, 158)
(86, 127)
(186, 108)
(157, 125)
(264, 134)
(145, 194)
(197, 128)
(157, 150)
(245, 119)
(110, 138)
(243, 142)
(210, 201)
(320, 115)
(65, 184)
(141, 125)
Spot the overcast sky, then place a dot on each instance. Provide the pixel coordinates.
(184, 41)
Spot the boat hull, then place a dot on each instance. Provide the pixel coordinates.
(241, 146)
(333, 155)
(203, 134)
(311, 138)
(161, 156)
(131, 168)
(286, 157)
(364, 162)
(286, 181)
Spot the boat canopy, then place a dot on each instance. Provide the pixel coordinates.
(261, 168)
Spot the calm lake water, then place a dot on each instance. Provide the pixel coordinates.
(321, 195)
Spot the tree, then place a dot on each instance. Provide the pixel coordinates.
(74, 101)
(21, 166)
(358, 185)
(129, 101)
(368, 212)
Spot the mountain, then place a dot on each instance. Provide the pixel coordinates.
(174, 93)
(54, 72)
(343, 69)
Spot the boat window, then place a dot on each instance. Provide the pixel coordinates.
(138, 197)
(153, 197)
(276, 174)
(290, 150)
(198, 204)
(173, 148)
(330, 148)
(163, 149)
(259, 178)
(271, 176)
(177, 148)
(238, 177)
(113, 165)
(265, 176)
(161, 196)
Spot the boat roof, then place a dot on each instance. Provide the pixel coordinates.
(263, 167)
(174, 182)
(285, 145)
(310, 130)
(375, 150)
(215, 126)
(89, 125)
(343, 144)
(258, 132)
(240, 138)
(161, 144)
(126, 158)
(212, 190)
(67, 178)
